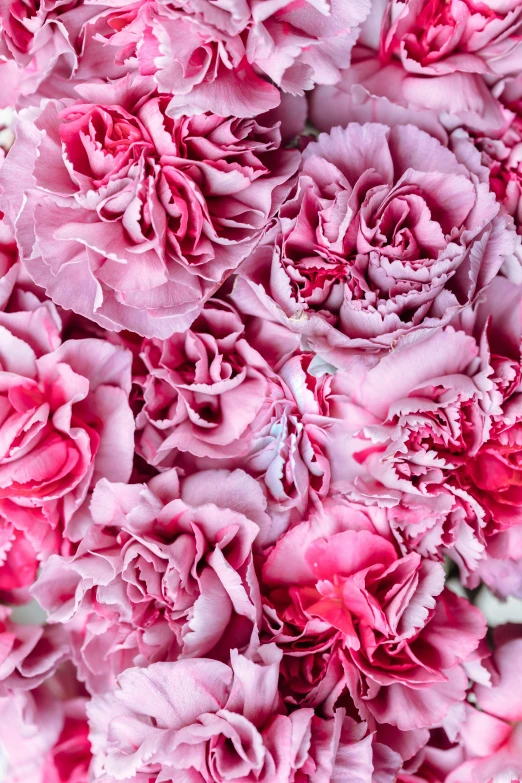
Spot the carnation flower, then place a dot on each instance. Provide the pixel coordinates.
(425, 412)
(232, 59)
(134, 219)
(206, 720)
(66, 423)
(164, 571)
(30, 654)
(438, 440)
(491, 733)
(203, 389)
(44, 732)
(212, 397)
(434, 38)
(432, 56)
(337, 596)
(54, 44)
(388, 235)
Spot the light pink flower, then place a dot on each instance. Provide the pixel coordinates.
(233, 58)
(338, 597)
(134, 219)
(203, 389)
(164, 571)
(387, 236)
(44, 733)
(206, 721)
(425, 412)
(53, 44)
(500, 154)
(491, 734)
(29, 654)
(378, 90)
(431, 56)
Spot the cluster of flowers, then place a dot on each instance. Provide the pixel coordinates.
(260, 390)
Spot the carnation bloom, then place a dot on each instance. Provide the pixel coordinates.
(388, 235)
(231, 59)
(432, 55)
(134, 219)
(203, 389)
(29, 653)
(213, 393)
(66, 423)
(491, 735)
(425, 413)
(208, 721)
(54, 44)
(336, 591)
(434, 38)
(501, 154)
(44, 732)
(164, 571)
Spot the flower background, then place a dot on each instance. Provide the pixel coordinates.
(260, 391)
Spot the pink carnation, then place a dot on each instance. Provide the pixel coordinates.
(164, 571)
(435, 38)
(438, 441)
(491, 736)
(500, 154)
(206, 721)
(431, 56)
(203, 389)
(231, 59)
(131, 218)
(388, 235)
(66, 423)
(54, 44)
(211, 394)
(44, 733)
(354, 614)
(29, 654)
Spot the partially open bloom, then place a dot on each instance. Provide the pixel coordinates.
(44, 732)
(134, 219)
(491, 735)
(337, 596)
(208, 721)
(164, 571)
(388, 235)
(234, 58)
(66, 422)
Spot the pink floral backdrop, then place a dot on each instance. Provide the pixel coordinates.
(261, 391)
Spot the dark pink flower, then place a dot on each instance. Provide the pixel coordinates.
(65, 423)
(337, 596)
